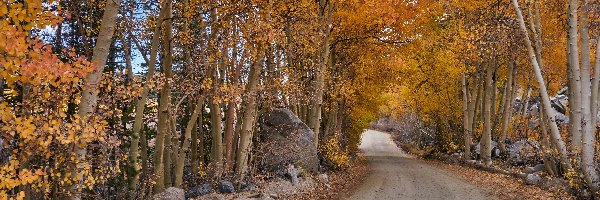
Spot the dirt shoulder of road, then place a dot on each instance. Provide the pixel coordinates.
(500, 185)
(341, 182)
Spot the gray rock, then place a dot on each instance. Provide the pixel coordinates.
(293, 172)
(456, 155)
(522, 151)
(478, 147)
(454, 158)
(285, 140)
(534, 169)
(199, 190)
(532, 179)
(171, 193)
(226, 187)
(495, 152)
(249, 187)
(323, 178)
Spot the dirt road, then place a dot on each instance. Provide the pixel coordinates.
(396, 176)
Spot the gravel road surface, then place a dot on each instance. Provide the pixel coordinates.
(396, 175)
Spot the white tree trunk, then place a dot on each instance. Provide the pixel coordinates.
(141, 100)
(467, 133)
(187, 141)
(89, 97)
(507, 108)
(163, 108)
(595, 84)
(575, 80)
(249, 118)
(319, 83)
(589, 129)
(554, 132)
(486, 136)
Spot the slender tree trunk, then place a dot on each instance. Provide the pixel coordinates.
(89, 98)
(486, 136)
(217, 134)
(141, 104)
(588, 136)
(314, 120)
(493, 104)
(194, 144)
(164, 105)
(546, 147)
(230, 116)
(477, 107)
(554, 132)
(249, 118)
(236, 134)
(574, 80)
(473, 96)
(168, 151)
(507, 108)
(229, 129)
(467, 133)
(201, 143)
(525, 99)
(186, 141)
(595, 84)
(214, 104)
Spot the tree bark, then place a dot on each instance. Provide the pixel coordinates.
(473, 99)
(486, 136)
(588, 136)
(467, 134)
(187, 141)
(230, 116)
(546, 147)
(217, 131)
(554, 132)
(507, 108)
(164, 105)
(525, 99)
(314, 121)
(89, 97)
(574, 80)
(249, 117)
(141, 103)
(194, 144)
(168, 150)
(595, 84)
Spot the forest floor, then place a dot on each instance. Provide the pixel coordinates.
(341, 183)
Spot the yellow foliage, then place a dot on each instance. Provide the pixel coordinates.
(335, 155)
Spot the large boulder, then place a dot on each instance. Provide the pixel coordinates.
(285, 140)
